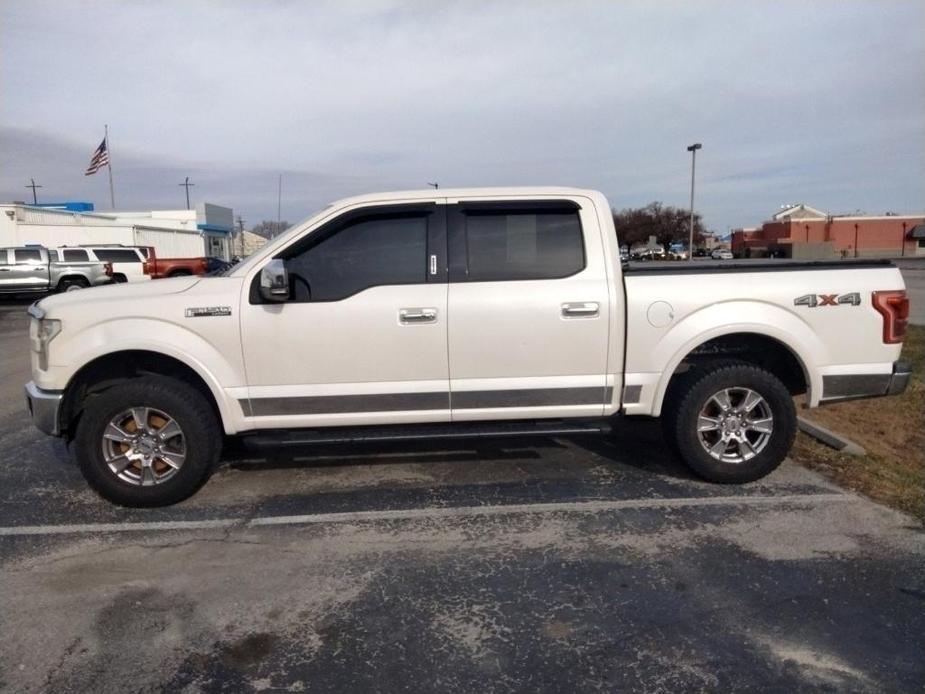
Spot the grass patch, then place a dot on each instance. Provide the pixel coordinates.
(891, 430)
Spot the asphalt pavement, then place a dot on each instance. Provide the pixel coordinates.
(567, 564)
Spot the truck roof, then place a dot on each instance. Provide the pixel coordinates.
(500, 192)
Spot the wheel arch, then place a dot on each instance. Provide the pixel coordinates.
(106, 370)
(753, 346)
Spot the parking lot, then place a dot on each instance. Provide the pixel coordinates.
(569, 564)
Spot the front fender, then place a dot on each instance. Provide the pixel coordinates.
(219, 348)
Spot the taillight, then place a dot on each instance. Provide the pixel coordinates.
(107, 268)
(894, 307)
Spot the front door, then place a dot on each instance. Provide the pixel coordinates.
(363, 336)
(529, 310)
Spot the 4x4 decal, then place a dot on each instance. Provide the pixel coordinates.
(814, 300)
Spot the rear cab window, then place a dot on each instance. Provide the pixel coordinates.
(117, 255)
(74, 255)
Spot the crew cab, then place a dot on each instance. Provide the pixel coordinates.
(478, 312)
(159, 268)
(31, 269)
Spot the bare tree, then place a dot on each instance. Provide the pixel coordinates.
(666, 223)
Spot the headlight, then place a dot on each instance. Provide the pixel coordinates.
(41, 332)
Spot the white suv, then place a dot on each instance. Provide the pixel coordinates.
(127, 261)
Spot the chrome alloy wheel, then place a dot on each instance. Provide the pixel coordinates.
(735, 424)
(144, 446)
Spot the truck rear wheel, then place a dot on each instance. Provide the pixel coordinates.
(70, 284)
(730, 422)
(151, 441)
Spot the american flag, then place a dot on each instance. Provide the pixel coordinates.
(99, 160)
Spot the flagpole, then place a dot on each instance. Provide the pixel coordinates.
(112, 194)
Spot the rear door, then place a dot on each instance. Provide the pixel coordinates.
(529, 310)
(29, 269)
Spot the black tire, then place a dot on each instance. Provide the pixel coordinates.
(187, 406)
(68, 284)
(181, 273)
(119, 279)
(694, 392)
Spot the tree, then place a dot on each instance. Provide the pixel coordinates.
(269, 228)
(666, 223)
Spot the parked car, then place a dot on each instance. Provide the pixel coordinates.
(722, 254)
(35, 269)
(648, 254)
(127, 261)
(486, 312)
(159, 268)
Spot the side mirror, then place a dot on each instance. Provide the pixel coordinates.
(274, 281)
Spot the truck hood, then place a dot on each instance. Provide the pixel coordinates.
(118, 292)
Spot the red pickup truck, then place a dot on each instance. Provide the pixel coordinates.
(158, 268)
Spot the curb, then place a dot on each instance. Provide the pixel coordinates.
(829, 437)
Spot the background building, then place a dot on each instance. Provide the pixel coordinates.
(205, 231)
(803, 232)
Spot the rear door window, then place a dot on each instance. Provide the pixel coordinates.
(522, 244)
(27, 255)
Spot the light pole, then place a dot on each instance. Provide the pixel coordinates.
(693, 150)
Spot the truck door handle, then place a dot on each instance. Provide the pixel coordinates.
(417, 315)
(583, 309)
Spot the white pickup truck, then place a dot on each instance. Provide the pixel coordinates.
(432, 314)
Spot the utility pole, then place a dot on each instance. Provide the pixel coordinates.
(34, 185)
(693, 150)
(186, 184)
(241, 233)
(434, 185)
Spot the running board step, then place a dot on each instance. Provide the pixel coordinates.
(418, 432)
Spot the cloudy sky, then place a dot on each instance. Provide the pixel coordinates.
(810, 101)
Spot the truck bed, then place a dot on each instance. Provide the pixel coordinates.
(697, 267)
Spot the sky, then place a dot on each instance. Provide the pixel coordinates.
(813, 101)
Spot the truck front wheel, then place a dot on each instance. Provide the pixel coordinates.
(151, 441)
(730, 422)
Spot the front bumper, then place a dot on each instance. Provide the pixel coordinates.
(44, 406)
(837, 388)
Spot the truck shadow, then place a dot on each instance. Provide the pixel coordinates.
(636, 445)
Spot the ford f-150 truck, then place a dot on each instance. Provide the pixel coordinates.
(481, 312)
(35, 269)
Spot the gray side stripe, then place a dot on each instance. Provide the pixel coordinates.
(631, 394)
(854, 385)
(395, 402)
(336, 404)
(530, 397)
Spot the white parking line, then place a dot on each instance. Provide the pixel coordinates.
(426, 513)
